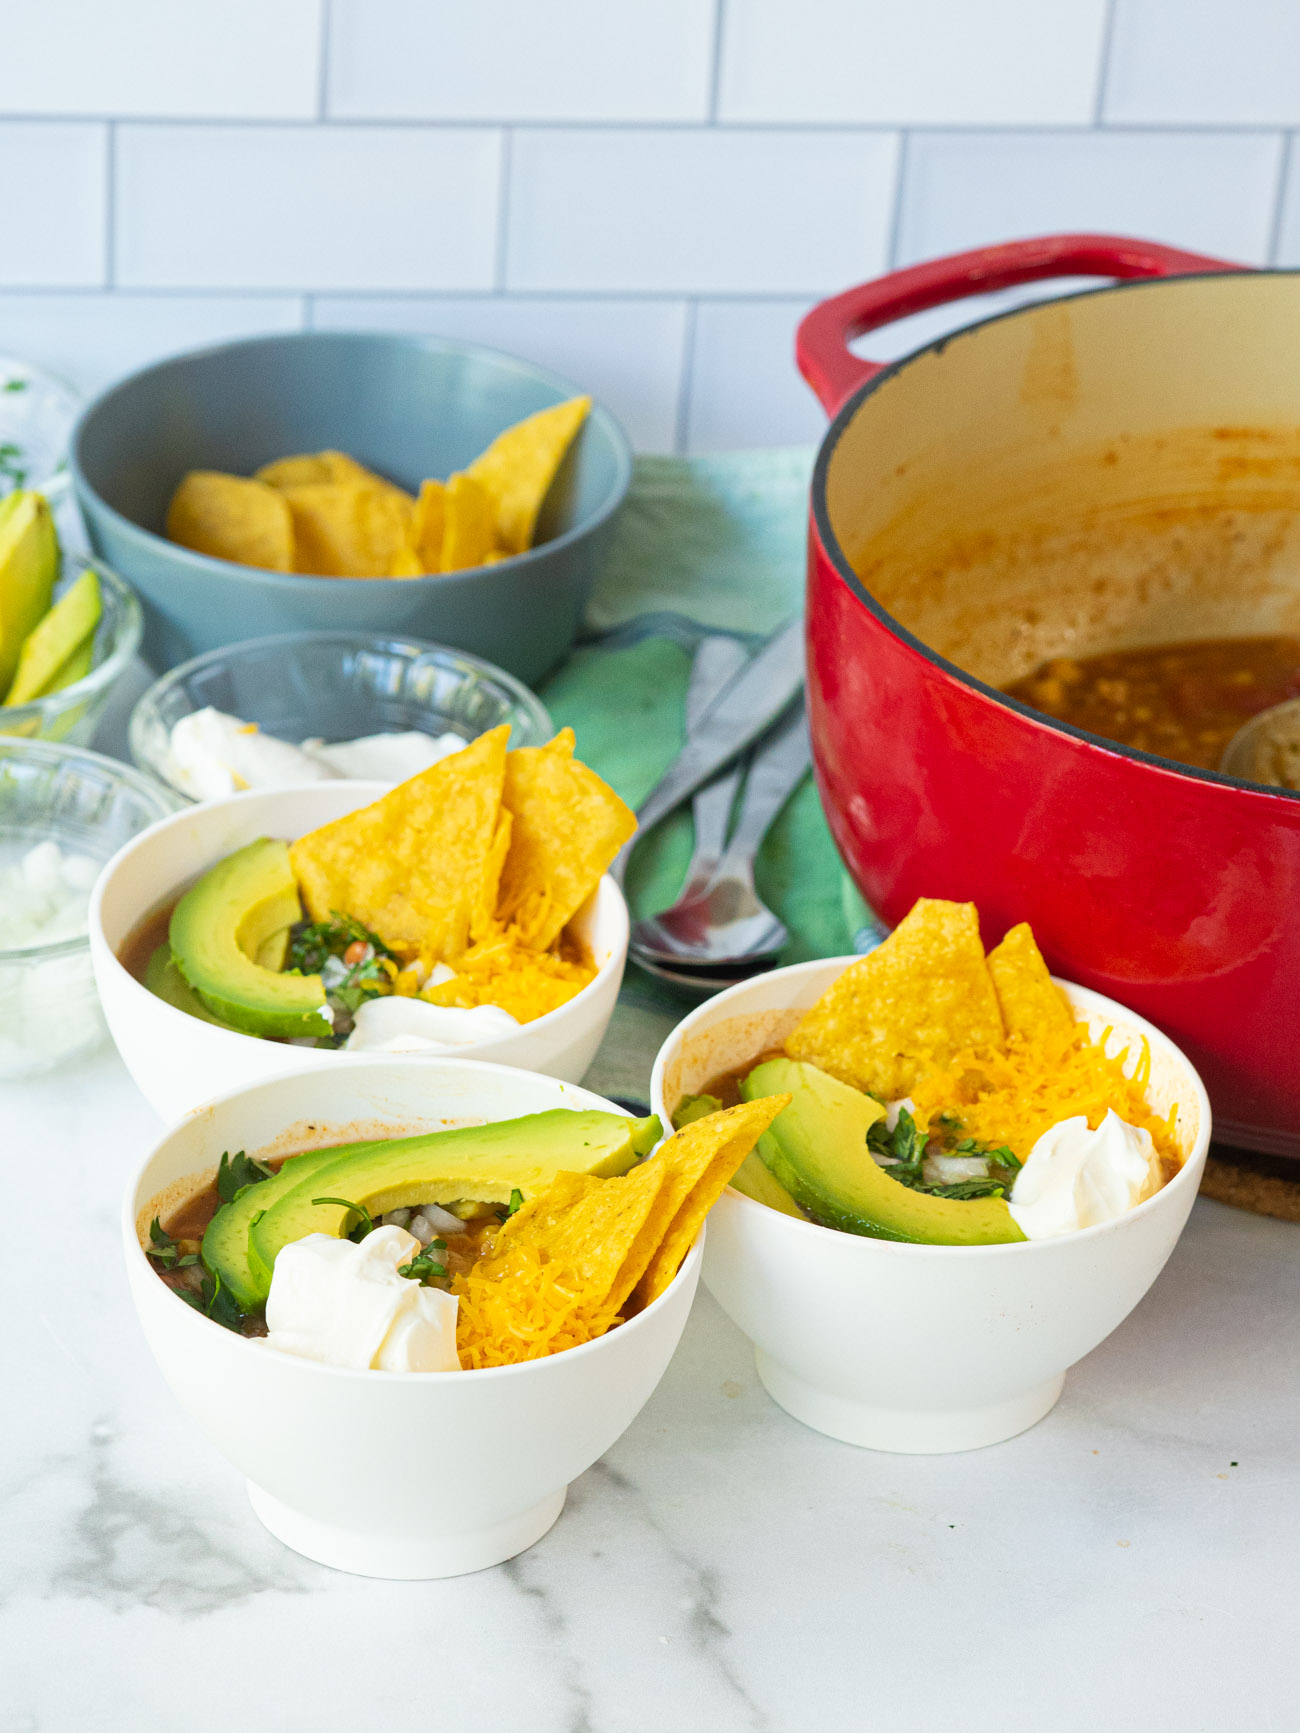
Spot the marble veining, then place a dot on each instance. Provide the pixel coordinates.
(1129, 1563)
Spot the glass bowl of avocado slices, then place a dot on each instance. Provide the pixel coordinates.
(68, 628)
(918, 1267)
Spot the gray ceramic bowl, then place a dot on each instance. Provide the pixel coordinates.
(406, 406)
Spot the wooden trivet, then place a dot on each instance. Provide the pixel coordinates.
(1267, 1185)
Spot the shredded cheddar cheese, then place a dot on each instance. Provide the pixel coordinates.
(1012, 1098)
(502, 970)
(519, 1306)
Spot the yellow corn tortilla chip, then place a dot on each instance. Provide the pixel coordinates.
(468, 531)
(700, 1160)
(590, 1226)
(232, 518)
(347, 529)
(519, 466)
(568, 826)
(427, 525)
(316, 466)
(1030, 1000)
(412, 866)
(911, 1004)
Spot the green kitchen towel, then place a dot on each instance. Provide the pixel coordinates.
(703, 544)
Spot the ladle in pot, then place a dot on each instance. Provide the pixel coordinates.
(1267, 748)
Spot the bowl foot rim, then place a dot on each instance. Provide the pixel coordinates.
(905, 1431)
(404, 1558)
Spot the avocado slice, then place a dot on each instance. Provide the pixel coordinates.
(217, 930)
(817, 1150)
(225, 1241)
(755, 1180)
(29, 564)
(66, 632)
(164, 979)
(486, 1162)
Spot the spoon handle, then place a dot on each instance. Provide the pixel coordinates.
(748, 706)
(717, 662)
(779, 765)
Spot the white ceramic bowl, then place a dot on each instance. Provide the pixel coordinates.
(390, 1474)
(920, 1348)
(179, 1061)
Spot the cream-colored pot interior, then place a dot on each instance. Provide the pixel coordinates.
(1116, 470)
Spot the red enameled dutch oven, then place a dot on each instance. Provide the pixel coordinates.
(1103, 471)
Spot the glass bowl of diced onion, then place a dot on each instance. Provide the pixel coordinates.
(63, 813)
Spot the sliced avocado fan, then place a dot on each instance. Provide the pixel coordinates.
(29, 564)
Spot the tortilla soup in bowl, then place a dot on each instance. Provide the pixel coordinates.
(466, 910)
(411, 1301)
(981, 1171)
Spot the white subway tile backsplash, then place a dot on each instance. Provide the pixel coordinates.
(566, 60)
(239, 59)
(626, 353)
(92, 339)
(306, 207)
(744, 387)
(55, 191)
(994, 62)
(698, 210)
(1212, 193)
(1216, 61)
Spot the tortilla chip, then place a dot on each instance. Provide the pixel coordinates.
(347, 529)
(316, 466)
(1030, 999)
(468, 531)
(568, 826)
(232, 518)
(914, 1002)
(700, 1160)
(519, 466)
(412, 866)
(427, 525)
(590, 1226)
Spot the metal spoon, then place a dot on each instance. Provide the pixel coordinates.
(727, 924)
(1267, 748)
(717, 662)
(747, 707)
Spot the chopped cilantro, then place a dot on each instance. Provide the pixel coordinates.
(904, 1151)
(214, 1302)
(237, 1172)
(365, 1224)
(424, 1264)
(516, 1202)
(164, 1249)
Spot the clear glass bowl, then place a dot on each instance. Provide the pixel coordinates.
(73, 714)
(337, 686)
(89, 806)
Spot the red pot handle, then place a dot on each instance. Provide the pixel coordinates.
(834, 371)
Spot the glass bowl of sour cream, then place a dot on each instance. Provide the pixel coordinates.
(277, 712)
(63, 812)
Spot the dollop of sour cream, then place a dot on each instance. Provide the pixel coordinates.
(1074, 1178)
(345, 1304)
(211, 754)
(396, 1024)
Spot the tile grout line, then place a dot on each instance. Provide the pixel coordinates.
(715, 78)
(1103, 65)
(1285, 170)
(323, 66)
(110, 206)
(686, 384)
(896, 214)
(504, 180)
(761, 128)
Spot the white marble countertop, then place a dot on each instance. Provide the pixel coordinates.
(1129, 1563)
(722, 1568)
